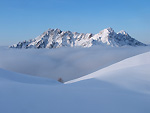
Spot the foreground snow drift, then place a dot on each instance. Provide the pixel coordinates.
(110, 90)
(132, 73)
(65, 63)
(7, 76)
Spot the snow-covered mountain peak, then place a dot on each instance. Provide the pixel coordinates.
(57, 31)
(123, 32)
(55, 38)
(109, 29)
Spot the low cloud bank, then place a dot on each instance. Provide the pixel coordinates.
(65, 63)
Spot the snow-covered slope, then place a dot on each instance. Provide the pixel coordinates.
(111, 90)
(132, 73)
(55, 38)
(8, 76)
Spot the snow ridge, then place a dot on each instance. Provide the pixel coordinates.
(55, 38)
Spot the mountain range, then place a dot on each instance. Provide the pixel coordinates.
(55, 38)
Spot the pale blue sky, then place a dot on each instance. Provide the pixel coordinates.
(25, 19)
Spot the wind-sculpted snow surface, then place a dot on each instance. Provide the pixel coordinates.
(110, 90)
(55, 38)
(9, 76)
(132, 73)
(64, 63)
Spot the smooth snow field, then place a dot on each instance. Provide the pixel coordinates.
(65, 63)
(112, 80)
